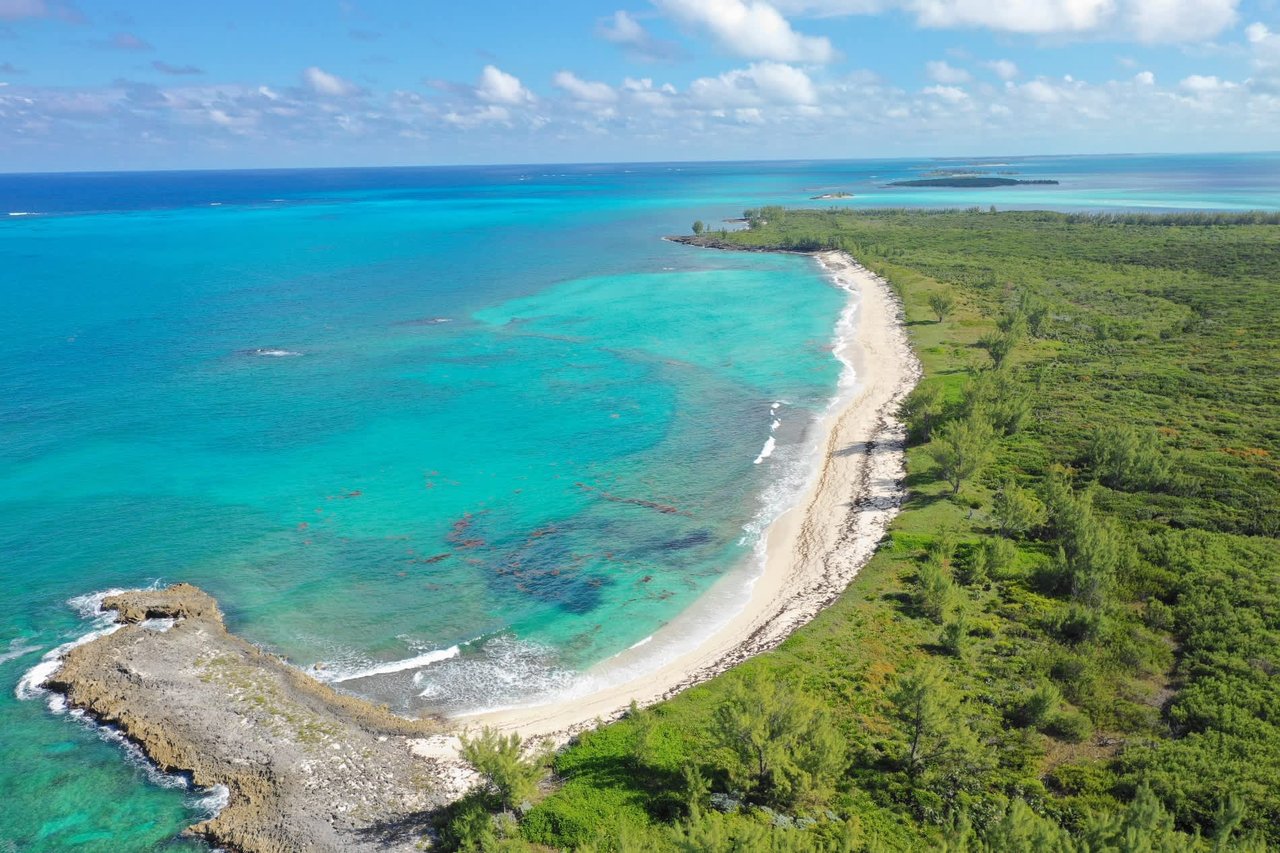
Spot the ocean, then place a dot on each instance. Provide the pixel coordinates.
(447, 437)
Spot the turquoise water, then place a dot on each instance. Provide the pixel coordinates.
(451, 436)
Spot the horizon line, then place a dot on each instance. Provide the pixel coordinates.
(934, 157)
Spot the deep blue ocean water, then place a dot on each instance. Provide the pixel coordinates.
(452, 435)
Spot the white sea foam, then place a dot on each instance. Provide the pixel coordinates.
(646, 641)
(770, 445)
(208, 802)
(211, 801)
(417, 662)
(501, 672)
(31, 685)
(17, 648)
(20, 213)
(272, 353)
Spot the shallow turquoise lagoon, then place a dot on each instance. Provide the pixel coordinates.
(450, 436)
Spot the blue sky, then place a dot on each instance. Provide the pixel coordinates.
(151, 84)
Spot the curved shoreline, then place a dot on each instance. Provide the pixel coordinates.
(307, 765)
(812, 551)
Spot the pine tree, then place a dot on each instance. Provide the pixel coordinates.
(782, 744)
(961, 448)
(941, 303)
(506, 774)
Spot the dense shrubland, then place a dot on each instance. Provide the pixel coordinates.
(1071, 639)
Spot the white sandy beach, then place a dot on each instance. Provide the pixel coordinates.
(812, 551)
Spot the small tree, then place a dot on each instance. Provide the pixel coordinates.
(782, 745)
(1127, 459)
(1039, 705)
(929, 711)
(509, 777)
(698, 227)
(955, 634)
(935, 591)
(1017, 510)
(998, 345)
(941, 303)
(961, 448)
(922, 410)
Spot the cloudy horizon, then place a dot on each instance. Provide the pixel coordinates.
(144, 85)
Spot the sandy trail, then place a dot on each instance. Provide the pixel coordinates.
(813, 551)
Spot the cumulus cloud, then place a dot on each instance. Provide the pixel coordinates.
(1003, 68)
(950, 94)
(1265, 46)
(1145, 78)
(323, 83)
(1180, 20)
(750, 28)
(760, 82)
(498, 87)
(1199, 84)
(943, 72)
(1145, 20)
(488, 114)
(622, 28)
(643, 91)
(584, 90)
(1028, 16)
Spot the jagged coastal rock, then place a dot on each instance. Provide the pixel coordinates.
(306, 768)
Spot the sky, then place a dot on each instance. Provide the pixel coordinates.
(102, 85)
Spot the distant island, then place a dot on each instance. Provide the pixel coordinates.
(968, 181)
(826, 196)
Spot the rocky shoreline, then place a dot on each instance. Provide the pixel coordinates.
(305, 767)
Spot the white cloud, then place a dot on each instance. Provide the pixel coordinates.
(1201, 85)
(1180, 20)
(1003, 68)
(1145, 20)
(488, 114)
(323, 83)
(584, 90)
(1040, 91)
(1019, 16)
(950, 94)
(761, 82)
(622, 28)
(946, 73)
(750, 28)
(1265, 46)
(1145, 78)
(498, 87)
(643, 91)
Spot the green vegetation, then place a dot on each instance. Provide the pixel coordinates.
(941, 303)
(1071, 639)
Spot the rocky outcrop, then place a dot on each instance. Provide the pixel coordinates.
(306, 768)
